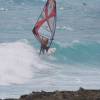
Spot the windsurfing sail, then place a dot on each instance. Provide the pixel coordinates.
(46, 23)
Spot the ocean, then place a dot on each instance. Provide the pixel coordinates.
(76, 62)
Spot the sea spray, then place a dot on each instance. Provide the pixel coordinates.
(18, 61)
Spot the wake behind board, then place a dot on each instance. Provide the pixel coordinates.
(51, 51)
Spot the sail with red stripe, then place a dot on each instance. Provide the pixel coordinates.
(46, 23)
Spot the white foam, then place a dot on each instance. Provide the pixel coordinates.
(3, 9)
(75, 41)
(18, 61)
(61, 8)
(68, 28)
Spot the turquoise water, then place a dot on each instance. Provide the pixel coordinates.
(77, 40)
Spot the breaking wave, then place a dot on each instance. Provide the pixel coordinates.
(18, 62)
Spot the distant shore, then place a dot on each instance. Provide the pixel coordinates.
(81, 94)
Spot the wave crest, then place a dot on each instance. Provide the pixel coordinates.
(18, 63)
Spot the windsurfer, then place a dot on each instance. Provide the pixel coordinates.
(47, 18)
(44, 44)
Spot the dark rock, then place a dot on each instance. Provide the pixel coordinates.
(81, 89)
(10, 99)
(81, 94)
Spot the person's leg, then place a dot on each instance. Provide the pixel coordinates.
(47, 48)
(41, 50)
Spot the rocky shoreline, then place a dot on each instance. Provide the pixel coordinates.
(81, 94)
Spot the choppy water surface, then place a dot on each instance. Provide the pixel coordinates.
(77, 59)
